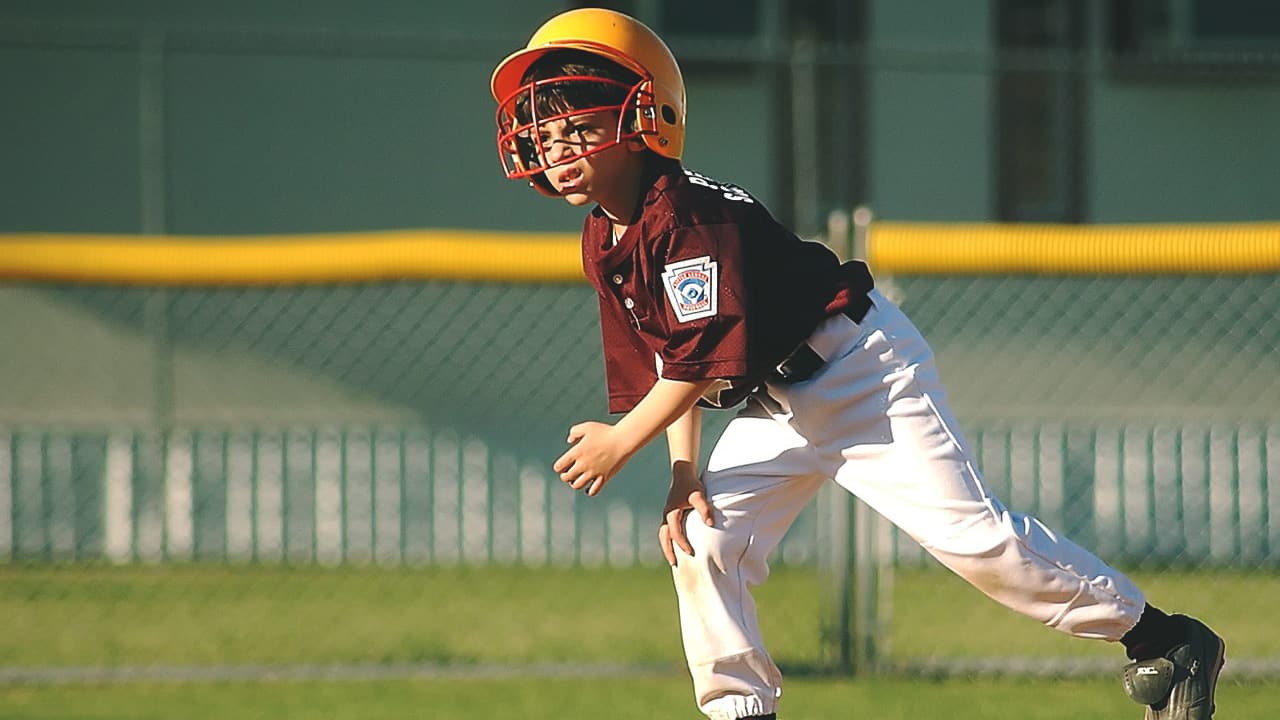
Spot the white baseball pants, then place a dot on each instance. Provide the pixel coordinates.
(874, 418)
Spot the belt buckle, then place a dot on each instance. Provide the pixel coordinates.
(783, 370)
(799, 366)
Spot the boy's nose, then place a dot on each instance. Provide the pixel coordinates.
(559, 150)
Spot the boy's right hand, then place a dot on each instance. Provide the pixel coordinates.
(686, 493)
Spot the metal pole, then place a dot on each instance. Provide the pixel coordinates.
(866, 595)
(860, 247)
(838, 237)
(151, 169)
(835, 567)
(858, 241)
(835, 530)
(872, 573)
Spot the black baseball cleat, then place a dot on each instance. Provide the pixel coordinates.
(1180, 685)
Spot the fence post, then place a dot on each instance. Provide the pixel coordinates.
(857, 246)
(867, 556)
(835, 573)
(848, 557)
(866, 589)
(835, 529)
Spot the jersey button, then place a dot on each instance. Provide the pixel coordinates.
(617, 279)
(629, 303)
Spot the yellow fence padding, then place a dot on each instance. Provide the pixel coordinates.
(292, 259)
(893, 248)
(899, 248)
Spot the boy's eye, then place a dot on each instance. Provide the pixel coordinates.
(577, 132)
(588, 132)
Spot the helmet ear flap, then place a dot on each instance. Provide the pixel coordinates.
(659, 122)
(642, 98)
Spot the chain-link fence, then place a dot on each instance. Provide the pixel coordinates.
(413, 424)
(1136, 415)
(358, 475)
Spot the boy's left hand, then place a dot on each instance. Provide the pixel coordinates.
(597, 454)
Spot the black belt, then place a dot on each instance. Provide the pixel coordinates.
(804, 361)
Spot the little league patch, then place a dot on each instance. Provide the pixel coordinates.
(692, 288)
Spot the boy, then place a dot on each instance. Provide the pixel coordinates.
(706, 300)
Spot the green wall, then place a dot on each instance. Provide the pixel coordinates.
(70, 150)
(249, 117)
(254, 120)
(930, 128)
(1188, 151)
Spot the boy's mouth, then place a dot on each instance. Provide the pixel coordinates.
(569, 179)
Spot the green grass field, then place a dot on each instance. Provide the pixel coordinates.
(623, 699)
(477, 620)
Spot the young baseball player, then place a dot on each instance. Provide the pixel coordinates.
(705, 300)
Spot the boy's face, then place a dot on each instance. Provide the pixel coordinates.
(576, 173)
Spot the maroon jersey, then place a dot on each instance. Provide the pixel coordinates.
(704, 285)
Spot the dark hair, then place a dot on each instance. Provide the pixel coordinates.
(559, 98)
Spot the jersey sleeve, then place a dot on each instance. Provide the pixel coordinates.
(703, 298)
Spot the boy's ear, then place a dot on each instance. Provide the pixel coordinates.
(636, 145)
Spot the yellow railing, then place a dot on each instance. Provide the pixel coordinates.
(893, 248)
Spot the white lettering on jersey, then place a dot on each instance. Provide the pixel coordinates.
(692, 286)
(730, 192)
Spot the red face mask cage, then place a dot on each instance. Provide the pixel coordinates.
(519, 148)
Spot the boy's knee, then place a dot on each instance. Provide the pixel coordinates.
(710, 548)
(718, 553)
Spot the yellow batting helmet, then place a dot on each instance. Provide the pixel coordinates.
(658, 99)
